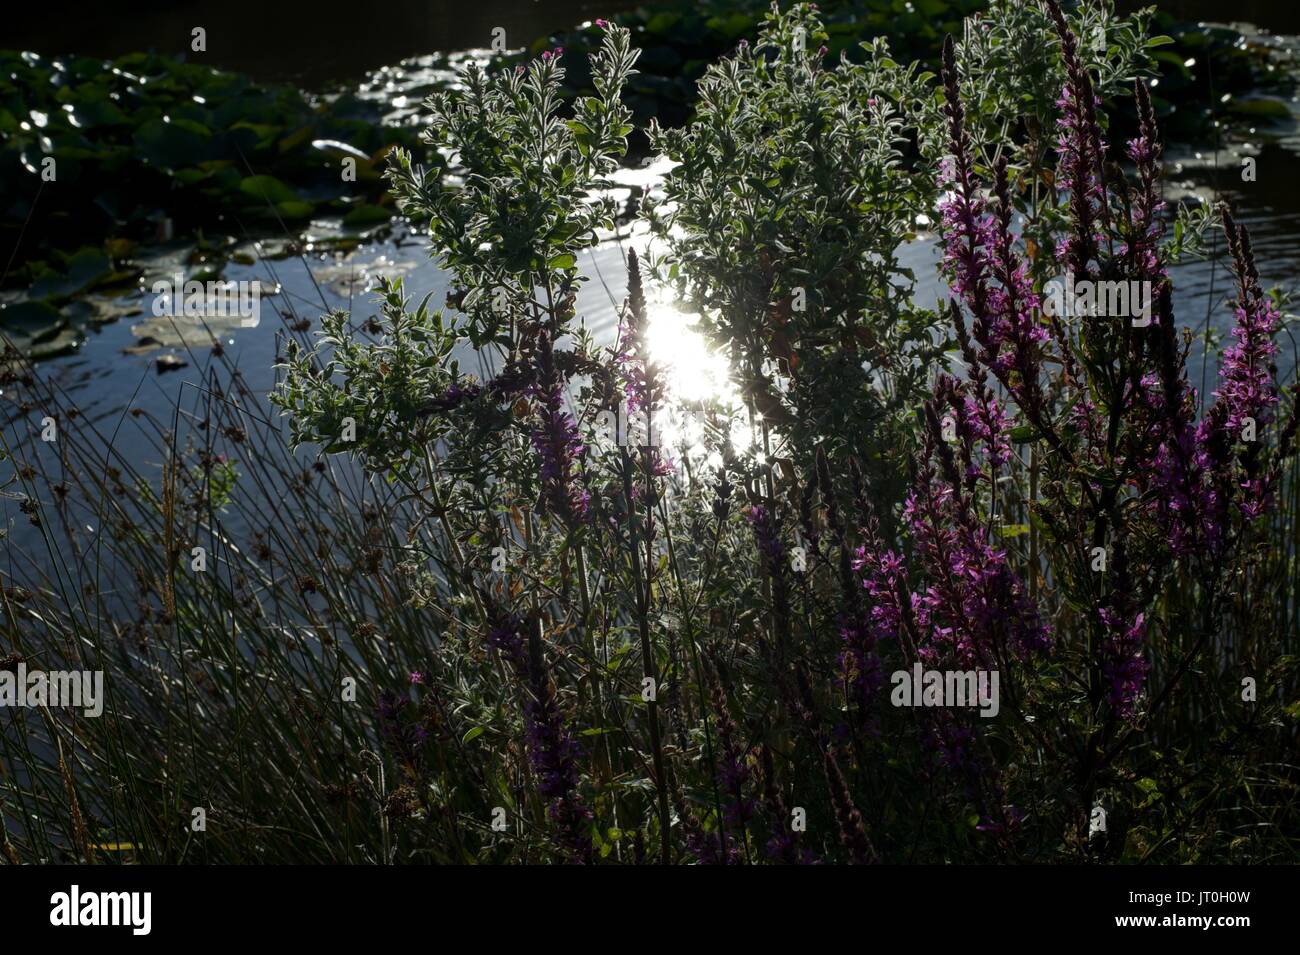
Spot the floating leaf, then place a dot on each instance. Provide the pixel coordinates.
(38, 320)
(268, 189)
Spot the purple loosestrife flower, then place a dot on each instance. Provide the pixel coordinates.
(636, 370)
(798, 697)
(853, 834)
(1182, 501)
(881, 619)
(966, 226)
(552, 751)
(1124, 634)
(979, 251)
(1246, 379)
(976, 418)
(706, 846)
(852, 829)
(1081, 154)
(631, 364)
(975, 603)
(1016, 337)
(457, 393)
(1009, 820)
(1246, 384)
(861, 624)
(783, 845)
(859, 664)
(1205, 472)
(953, 743)
(765, 534)
(1123, 664)
(1145, 223)
(559, 445)
(397, 731)
(732, 771)
(557, 442)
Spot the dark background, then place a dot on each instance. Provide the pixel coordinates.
(318, 42)
(309, 42)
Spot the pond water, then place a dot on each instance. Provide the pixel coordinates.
(103, 380)
(313, 43)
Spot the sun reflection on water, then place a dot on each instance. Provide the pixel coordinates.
(696, 377)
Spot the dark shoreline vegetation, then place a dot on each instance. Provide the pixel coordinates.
(399, 612)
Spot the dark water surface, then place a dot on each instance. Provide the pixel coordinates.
(328, 47)
(1280, 16)
(314, 43)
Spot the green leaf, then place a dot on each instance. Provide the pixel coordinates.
(86, 268)
(268, 189)
(172, 145)
(1270, 109)
(472, 735)
(38, 320)
(295, 209)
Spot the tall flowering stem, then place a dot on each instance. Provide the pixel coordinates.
(1082, 152)
(552, 750)
(1247, 377)
(988, 276)
(732, 773)
(783, 846)
(558, 444)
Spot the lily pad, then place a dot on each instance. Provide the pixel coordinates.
(143, 344)
(37, 320)
(267, 189)
(64, 343)
(1265, 109)
(173, 145)
(295, 209)
(86, 268)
